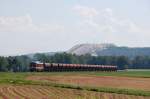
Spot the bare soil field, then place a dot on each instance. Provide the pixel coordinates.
(100, 81)
(43, 92)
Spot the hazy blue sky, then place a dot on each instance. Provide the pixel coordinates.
(28, 26)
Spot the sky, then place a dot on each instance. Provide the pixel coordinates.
(29, 26)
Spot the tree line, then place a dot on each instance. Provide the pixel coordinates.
(123, 62)
(21, 63)
(15, 63)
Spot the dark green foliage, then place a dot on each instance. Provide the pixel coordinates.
(3, 64)
(139, 61)
(124, 51)
(122, 62)
(15, 64)
(21, 63)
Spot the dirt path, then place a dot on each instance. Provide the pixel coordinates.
(101, 81)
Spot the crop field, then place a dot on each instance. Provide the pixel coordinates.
(42, 92)
(75, 85)
(98, 81)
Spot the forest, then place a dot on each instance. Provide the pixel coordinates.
(21, 63)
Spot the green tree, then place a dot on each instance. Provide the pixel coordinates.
(122, 62)
(3, 64)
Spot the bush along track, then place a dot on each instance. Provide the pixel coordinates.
(96, 89)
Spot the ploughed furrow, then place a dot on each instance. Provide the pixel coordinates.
(2, 95)
(51, 91)
(8, 92)
(33, 92)
(12, 93)
(26, 91)
(44, 92)
(19, 93)
(56, 92)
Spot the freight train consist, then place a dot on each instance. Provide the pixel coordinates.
(50, 67)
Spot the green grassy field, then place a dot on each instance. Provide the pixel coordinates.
(10, 75)
(20, 79)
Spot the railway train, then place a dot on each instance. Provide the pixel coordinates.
(51, 67)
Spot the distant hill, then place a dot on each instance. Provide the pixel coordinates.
(109, 50)
(103, 50)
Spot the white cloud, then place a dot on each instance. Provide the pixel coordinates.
(105, 21)
(25, 24)
(19, 34)
(85, 11)
(109, 27)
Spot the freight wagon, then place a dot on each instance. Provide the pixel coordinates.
(50, 67)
